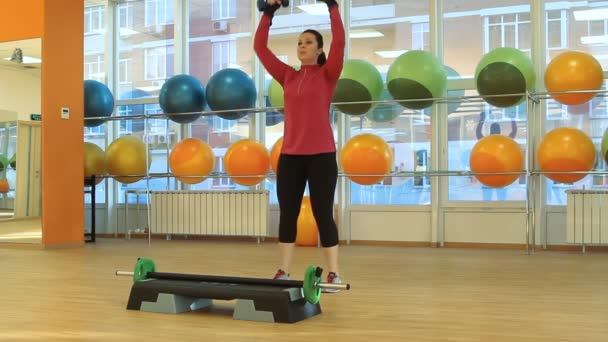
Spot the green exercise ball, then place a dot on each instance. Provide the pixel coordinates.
(4, 163)
(275, 93)
(415, 75)
(13, 162)
(359, 81)
(605, 145)
(504, 71)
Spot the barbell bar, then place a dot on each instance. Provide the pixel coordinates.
(311, 285)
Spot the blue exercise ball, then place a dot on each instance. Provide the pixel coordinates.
(231, 89)
(273, 117)
(182, 94)
(98, 102)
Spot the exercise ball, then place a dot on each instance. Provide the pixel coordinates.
(13, 161)
(273, 117)
(585, 108)
(504, 71)
(275, 153)
(244, 158)
(126, 159)
(98, 102)
(4, 187)
(231, 89)
(384, 112)
(276, 93)
(359, 81)
(565, 149)
(604, 147)
(415, 75)
(573, 71)
(496, 153)
(182, 94)
(94, 163)
(191, 157)
(307, 233)
(4, 163)
(366, 154)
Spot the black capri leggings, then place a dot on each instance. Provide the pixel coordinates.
(321, 172)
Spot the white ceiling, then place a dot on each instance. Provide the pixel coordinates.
(29, 47)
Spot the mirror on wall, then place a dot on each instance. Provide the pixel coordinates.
(20, 141)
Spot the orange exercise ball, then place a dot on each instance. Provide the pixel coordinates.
(565, 149)
(366, 154)
(573, 71)
(191, 157)
(275, 152)
(496, 153)
(247, 157)
(4, 187)
(307, 232)
(94, 162)
(126, 156)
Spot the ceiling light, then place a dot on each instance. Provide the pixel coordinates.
(27, 59)
(314, 9)
(365, 33)
(390, 53)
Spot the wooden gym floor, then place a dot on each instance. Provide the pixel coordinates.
(398, 294)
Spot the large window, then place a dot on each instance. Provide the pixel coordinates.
(220, 38)
(377, 32)
(146, 60)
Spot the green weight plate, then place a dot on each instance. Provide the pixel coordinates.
(142, 267)
(312, 293)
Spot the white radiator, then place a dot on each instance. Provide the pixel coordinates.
(226, 213)
(587, 217)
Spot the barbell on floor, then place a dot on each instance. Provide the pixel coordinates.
(311, 285)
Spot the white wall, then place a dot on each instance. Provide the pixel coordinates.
(20, 91)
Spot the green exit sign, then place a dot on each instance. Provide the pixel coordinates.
(35, 117)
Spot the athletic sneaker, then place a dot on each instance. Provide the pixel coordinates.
(281, 275)
(332, 278)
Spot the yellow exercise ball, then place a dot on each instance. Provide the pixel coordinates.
(126, 159)
(94, 162)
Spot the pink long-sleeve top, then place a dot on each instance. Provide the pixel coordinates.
(308, 92)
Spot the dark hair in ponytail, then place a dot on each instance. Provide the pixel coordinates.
(322, 57)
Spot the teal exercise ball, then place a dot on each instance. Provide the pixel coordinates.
(384, 112)
(231, 89)
(182, 94)
(416, 75)
(98, 102)
(359, 81)
(504, 71)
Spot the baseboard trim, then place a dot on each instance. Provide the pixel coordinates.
(418, 244)
(64, 245)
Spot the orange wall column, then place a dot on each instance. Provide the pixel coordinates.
(21, 19)
(62, 140)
